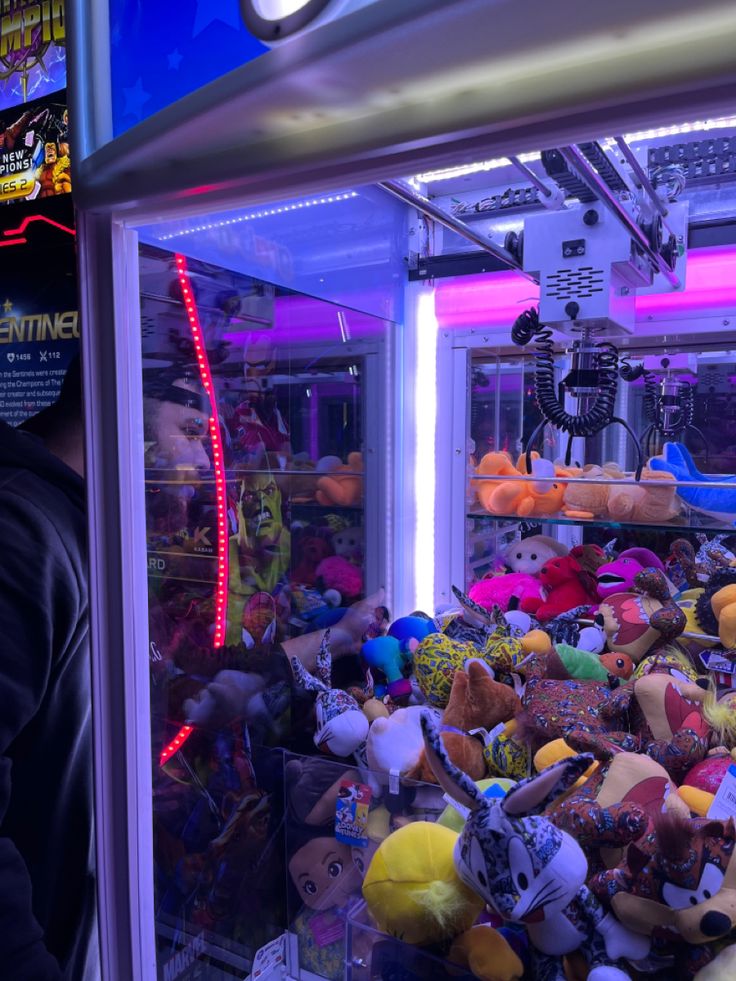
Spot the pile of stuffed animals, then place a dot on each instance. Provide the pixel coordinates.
(540, 764)
(669, 483)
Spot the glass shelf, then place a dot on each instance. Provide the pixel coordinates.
(694, 522)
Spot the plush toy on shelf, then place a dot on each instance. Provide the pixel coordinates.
(531, 872)
(693, 487)
(642, 502)
(589, 498)
(498, 496)
(477, 702)
(542, 498)
(342, 485)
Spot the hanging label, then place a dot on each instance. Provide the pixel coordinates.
(270, 961)
(326, 928)
(351, 813)
(724, 803)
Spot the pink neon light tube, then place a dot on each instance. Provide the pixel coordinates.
(496, 300)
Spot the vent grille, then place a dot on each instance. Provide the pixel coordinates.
(568, 284)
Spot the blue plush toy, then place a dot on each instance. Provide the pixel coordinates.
(718, 502)
(386, 655)
(411, 628)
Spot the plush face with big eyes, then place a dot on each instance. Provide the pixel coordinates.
(324, 873)
(690, 893)
(526, 869)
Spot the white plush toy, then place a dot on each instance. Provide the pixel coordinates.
(530, 554)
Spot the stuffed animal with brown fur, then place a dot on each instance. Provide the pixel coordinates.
(678, 886)
(476, 702)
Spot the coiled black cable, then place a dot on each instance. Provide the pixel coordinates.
(631, 373)
(527, 327)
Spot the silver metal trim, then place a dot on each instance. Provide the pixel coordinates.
(265, 129)
(412, 197)
(118, 627)
(88, 77)
(531, 176)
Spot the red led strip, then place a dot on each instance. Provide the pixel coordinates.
(219, 463)
(176, 744)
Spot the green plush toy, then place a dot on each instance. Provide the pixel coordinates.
(581, 665)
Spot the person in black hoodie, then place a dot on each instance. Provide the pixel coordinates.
(47, 885)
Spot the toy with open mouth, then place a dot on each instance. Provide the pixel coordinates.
(618, 576)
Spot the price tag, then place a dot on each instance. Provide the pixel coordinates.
(270, 961)
(724, 803)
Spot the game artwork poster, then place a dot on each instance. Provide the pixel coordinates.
(39, 320)
(32, 50)
(34, 150)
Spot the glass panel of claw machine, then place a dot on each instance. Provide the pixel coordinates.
(263, 523)
(602, 366)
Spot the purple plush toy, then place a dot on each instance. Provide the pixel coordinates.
(618, 576)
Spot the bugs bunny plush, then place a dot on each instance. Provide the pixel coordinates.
(531, 872)
(341, 724)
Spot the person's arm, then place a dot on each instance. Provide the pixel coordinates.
(230, 694)
(32, 597)
(345, 635)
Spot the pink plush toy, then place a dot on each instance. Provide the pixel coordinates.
(499, 591)
(618, 576)
(567, 585)
(337, 573)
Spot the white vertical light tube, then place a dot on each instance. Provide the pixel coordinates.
(425, 408)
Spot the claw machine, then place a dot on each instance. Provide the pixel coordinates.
(287, 393)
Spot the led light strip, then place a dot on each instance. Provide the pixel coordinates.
(425, 401)
(697, 126)
(219, 463)
(176, 744)
(266, 213)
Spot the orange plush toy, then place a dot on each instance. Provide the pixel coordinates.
(342, 486)
(498, 496)
(476, 702)
(541, 497)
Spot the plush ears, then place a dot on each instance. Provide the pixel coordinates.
(680, 878)
(476, 701)
(341, 725)
(530, 554)
(529, 796)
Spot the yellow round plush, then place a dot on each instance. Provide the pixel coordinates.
(536, 642)
(698, 801)
(412, 889)
(553, 752)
